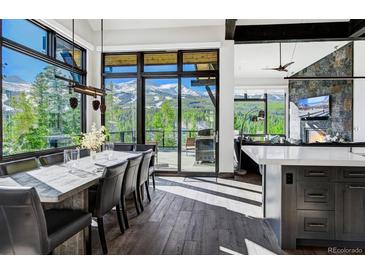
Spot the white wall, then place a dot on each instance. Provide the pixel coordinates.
(93, 79)
(226, 106)
(114, 39)
(359, 91)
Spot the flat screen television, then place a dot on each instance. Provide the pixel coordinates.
(314, 108)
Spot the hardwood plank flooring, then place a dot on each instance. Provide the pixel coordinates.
(174, 224)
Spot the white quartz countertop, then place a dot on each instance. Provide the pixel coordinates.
(306, 156)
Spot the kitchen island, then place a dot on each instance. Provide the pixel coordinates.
(313, 195)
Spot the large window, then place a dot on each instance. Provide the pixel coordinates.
(259, 112)
(121, 102)
(36, 114)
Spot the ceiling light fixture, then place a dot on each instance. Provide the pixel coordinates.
(77, 87)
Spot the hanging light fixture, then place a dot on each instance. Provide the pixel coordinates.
(77, 87)
(102, 106)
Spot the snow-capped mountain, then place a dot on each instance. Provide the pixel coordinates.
(125, 92)
(12, 86)
(16, 84)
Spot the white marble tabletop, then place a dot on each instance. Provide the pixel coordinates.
(57, 182)
(301, 155)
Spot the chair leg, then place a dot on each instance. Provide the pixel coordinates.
(120, 220)
(124, 212)
(136, 202)
(153, 181)
(148, 192)
(89, 241)
(140, 197)
(102, 235)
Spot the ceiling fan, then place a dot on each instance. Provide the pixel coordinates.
(280, 67)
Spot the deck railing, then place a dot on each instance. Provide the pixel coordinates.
(164, 138)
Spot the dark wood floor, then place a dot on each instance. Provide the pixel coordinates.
(173, 224)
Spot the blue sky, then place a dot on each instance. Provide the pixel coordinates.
(25, 33)
(21, 65)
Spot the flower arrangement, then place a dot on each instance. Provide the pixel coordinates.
(94, 139)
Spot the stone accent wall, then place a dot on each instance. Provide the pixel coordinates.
(338, 63)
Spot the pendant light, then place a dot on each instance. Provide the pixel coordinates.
(73, 100)
(77, 87)
(102, 106)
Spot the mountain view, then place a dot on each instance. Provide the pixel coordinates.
(161, 109)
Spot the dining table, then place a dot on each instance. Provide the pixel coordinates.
(65, 185)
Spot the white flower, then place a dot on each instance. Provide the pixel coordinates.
(93, 139)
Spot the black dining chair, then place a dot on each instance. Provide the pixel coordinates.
(123, 147)
(151, 171)
(26, 229)
(130, 185)
(143, 177)
(105, 196)
(84, 153)
(13, 167)
(51, 159)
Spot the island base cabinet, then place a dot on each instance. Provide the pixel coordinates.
(350, 211)
(322, 206)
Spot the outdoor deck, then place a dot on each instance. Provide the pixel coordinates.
(167, 160)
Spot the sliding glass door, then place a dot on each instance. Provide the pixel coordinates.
(198, 124)
(167, 98)
(161, 120)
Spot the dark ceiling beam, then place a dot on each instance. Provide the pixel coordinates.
(357, 28)
(230, 28)
(330, 31)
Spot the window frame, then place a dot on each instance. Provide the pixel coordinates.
(141, 75)
(265, 100)
(50, 58)
(179, 74)
(82, 50)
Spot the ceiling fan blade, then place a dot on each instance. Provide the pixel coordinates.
(270, 68)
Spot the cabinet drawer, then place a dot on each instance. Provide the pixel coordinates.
(315, 195)
(351, 174)
(315, 224)
(319, 174)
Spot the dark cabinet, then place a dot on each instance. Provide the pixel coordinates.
(350, 211)
(315, 195)
(315, 224)
(323, 203)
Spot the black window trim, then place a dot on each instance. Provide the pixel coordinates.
(50, 58)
